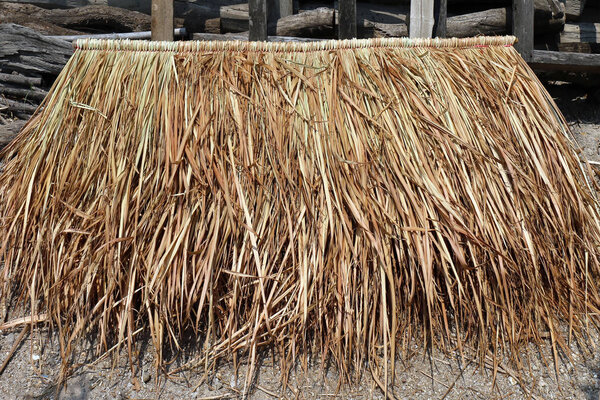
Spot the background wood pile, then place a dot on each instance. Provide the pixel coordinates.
(31, 54)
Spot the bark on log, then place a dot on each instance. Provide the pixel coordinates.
(36, 95)
(16, 106)
(91, 19)
(20, 80)
(28, 52)
(135, 5)
(97, 18)
(317, 23)
(9, 131)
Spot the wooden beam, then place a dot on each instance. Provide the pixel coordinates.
(555, 60)
(523, 27)
(441, 15)
(421, 19)
(162, 20)
(347, 19)
(258, 20)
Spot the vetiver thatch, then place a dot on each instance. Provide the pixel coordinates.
(337, 197)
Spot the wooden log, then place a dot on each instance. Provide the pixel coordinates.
(28, 52)
(234, 18)
(89, 18)
(556, 60)
(36, 95)
(7, 134)
(16, 106)
(136, 5)
(347, 19)
(177, 32)
(162, 20)
(201, 16)
(257, 23)
(97, 18)
(20, 80)
(490, 22)
(317, 23)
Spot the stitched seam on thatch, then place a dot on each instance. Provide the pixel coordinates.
(290, 47)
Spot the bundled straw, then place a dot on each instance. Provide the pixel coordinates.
(341, 198)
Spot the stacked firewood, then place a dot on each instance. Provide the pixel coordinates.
(29, 62)
(33, 49)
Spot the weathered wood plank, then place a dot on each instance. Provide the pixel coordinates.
(347, 19)
(586, 32)
(162, 20)
(441, 16)
(421, 19)
(258, 19)
(582, 37)
(523, 23)
(552, 60)
(278, 9)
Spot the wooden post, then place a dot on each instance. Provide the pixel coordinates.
(441, 14)
(522, 17)
(258, 20)
(421, 18)
(279, 9)
(162, 20)
(347, 19)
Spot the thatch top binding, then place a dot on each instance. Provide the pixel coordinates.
(244, 46)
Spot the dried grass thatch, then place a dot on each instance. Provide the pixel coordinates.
(337, 197)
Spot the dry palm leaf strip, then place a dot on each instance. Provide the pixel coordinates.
(338, 197)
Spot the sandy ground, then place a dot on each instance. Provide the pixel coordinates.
(32, 373)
